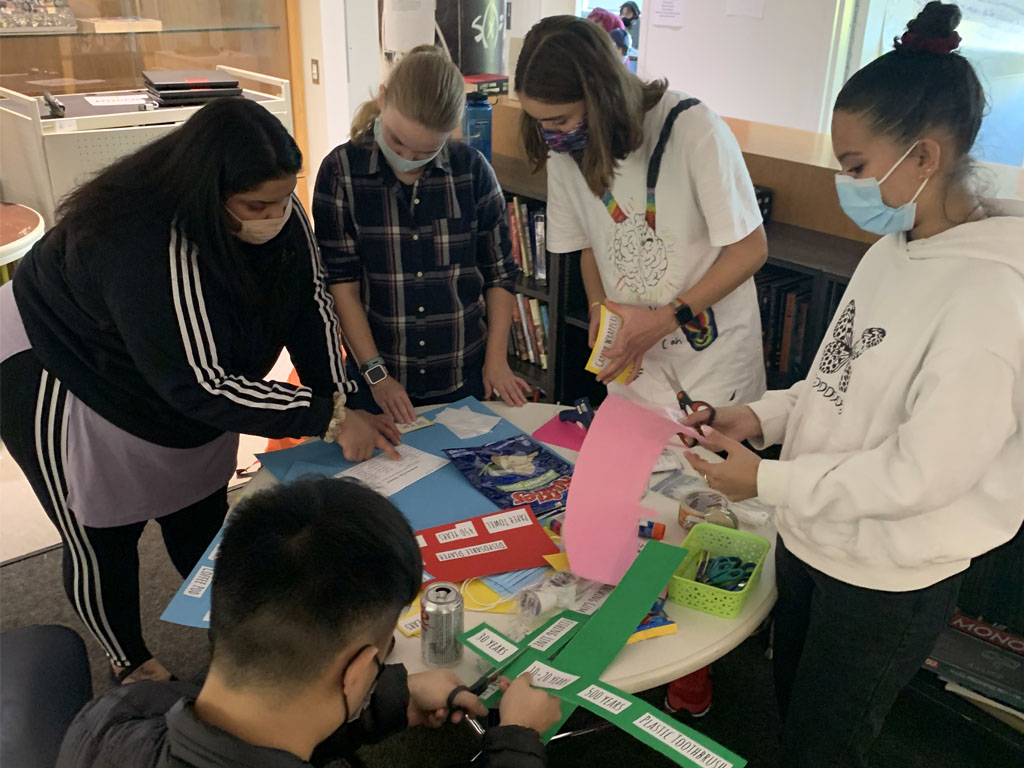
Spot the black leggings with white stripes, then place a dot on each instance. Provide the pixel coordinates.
(101, 565)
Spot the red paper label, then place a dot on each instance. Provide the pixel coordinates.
(507, 540)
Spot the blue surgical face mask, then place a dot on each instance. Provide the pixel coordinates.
(861, 200)
(396, 161)
(508, 584)
(566, 141)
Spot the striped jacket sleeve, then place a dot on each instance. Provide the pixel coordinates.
(163, 315)
(315, 341)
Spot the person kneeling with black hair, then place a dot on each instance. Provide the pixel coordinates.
(309, 583)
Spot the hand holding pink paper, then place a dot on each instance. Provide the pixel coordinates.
(611, 476)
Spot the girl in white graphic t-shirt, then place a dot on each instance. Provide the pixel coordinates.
(651, 187)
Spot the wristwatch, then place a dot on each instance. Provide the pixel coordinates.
(374, 371)
(683, 312)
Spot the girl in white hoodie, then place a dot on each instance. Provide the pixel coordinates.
(903, 450)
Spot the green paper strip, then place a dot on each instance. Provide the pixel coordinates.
(596, 644)
(679, 743)
(540, 644)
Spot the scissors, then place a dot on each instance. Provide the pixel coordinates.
(477, 689)
(688, 405)
(729, 573)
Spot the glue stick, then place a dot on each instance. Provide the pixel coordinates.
(649, 529)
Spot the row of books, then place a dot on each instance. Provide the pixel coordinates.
(530, 331)
(784, 297)
(527, 230)
(981, 657)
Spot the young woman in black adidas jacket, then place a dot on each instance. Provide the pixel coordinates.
(136, 335)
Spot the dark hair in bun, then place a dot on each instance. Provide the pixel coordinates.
(933, 31)
(921, 84)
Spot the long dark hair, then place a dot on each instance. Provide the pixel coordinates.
(920, 85)
(566, 59)
(229, 146)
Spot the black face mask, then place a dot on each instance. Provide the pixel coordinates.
(376, 679)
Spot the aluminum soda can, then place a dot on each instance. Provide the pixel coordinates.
(441, 621)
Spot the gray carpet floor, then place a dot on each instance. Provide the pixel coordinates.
(927, 727)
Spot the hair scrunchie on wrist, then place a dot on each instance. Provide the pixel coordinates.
(337, 418)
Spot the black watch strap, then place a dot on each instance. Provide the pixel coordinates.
(683, 314)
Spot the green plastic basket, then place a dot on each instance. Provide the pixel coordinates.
(719, 541)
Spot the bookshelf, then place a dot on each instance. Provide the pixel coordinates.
(816, 265)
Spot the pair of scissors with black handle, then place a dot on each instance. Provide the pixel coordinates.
(689, 406)
(476, 689)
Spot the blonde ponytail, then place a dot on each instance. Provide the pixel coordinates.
(425, 86)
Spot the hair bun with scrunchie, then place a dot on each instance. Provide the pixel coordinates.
(933, 30)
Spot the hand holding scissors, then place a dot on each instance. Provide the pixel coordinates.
(700, 408)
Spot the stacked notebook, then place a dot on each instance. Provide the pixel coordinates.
(187, 87)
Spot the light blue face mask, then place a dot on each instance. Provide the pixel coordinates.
(509, 584)
(861, 200)
(396, 161)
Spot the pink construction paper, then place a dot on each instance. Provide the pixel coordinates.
(564, 434)
(611, 475)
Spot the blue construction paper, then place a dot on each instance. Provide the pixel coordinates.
(304, 468)
(193, 611)
(441, 497)
(279, 463)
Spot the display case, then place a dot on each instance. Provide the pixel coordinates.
(111, 43)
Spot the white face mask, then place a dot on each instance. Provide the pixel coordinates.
(259, 231)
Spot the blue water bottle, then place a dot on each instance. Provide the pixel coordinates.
(476, 123)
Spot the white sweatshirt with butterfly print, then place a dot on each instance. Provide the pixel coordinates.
(903, 449)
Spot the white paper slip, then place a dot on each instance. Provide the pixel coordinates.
(421, 423)
(604, 699)
(476, 549)
(549, 677)
(463, 530)
(116, 101)
(514, 518)
(593, 598)
(409, 625)
(388, 477)
(546, 639)
(496, 648)
(198, 586)
(465, 423)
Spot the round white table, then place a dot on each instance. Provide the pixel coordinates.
(701, 638)
(20, 228)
